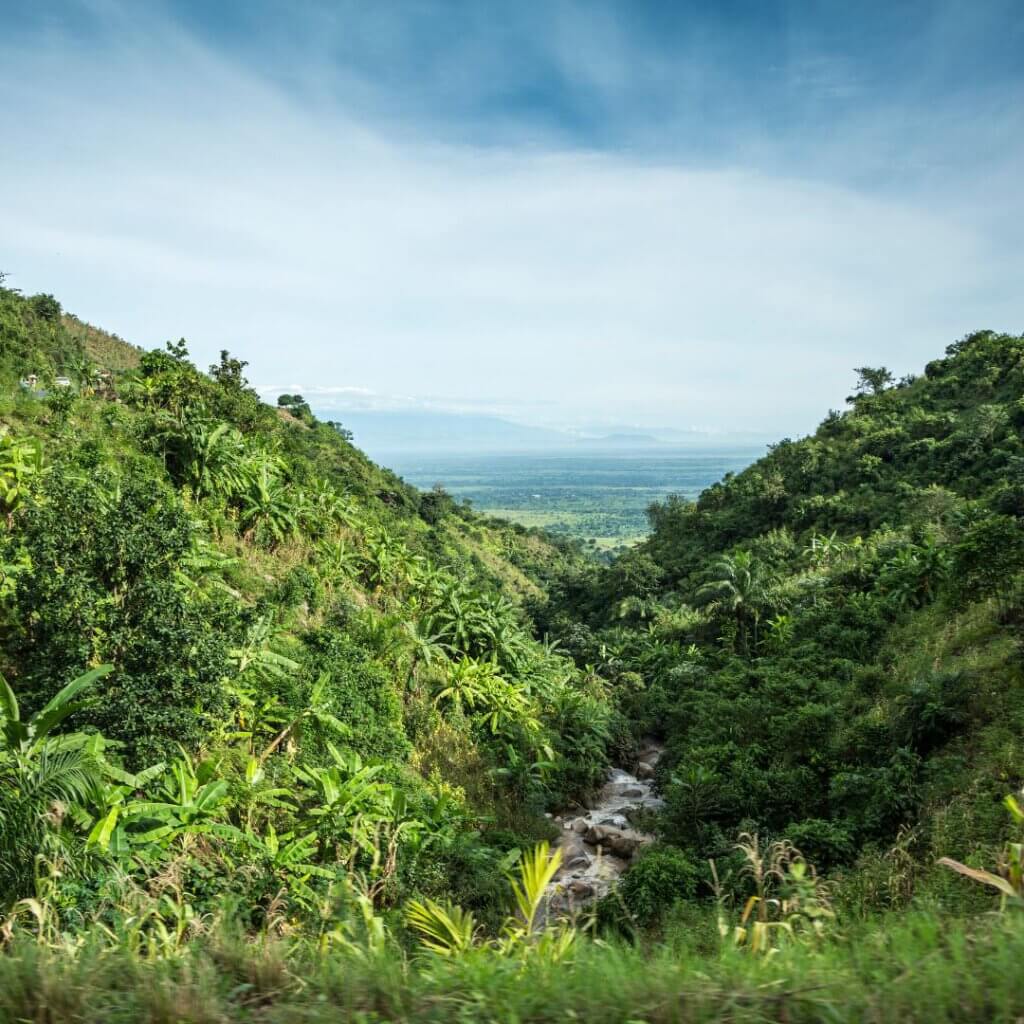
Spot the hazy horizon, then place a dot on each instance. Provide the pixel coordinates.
(575, 216)
(384, 434)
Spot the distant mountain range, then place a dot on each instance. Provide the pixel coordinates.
(388, 432)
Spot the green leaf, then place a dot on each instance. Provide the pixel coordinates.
(8, 702)
(69, 692)
(1014, 808)
(44, 724)
(103, 830)
(211, 795)
(253, 772)
(447, 930)
(324, 718)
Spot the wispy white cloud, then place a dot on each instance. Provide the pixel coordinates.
(162, 187)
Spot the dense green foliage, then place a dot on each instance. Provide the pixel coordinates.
(829, 640)
(255, 684)
(319, 677)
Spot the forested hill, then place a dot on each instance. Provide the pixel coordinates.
(894, 457)
(830, 640)
(341, 658)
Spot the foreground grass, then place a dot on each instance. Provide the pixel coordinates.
(916, 968)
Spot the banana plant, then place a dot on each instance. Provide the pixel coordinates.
(259, 665)
(108, 832)
(325, 509)
(256, 655)
(21, 462)
(524, 772)
(350, 803)
(257, 794)
(269, 503)
(24, 738)
(200, 571)
(319, 709)
(466, 685)
(194, 802)
(336, 563)
(291, 859)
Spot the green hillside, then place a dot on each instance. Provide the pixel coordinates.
(279, 733)
(277, 611)
(830, 640)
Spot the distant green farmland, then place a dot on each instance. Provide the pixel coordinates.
(600, 498)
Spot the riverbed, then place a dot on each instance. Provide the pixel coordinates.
(599, 842)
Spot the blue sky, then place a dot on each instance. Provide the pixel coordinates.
(575, 214)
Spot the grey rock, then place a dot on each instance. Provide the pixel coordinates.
(623, 846)
(581, 890)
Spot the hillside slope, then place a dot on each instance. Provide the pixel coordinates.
(829, 642)
(282, 616)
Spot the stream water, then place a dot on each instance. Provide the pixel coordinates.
(600, 841)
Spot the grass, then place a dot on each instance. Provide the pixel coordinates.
(104, 348)
(915, 968)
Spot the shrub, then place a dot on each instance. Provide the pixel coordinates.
(361, 694)
(657, 880)
(104, 588)
(824, 842)
(46, 307)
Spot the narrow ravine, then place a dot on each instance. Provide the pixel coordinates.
(599, 842)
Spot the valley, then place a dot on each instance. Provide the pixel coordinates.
(269, 711)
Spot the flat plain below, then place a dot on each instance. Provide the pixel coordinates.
(598, 497)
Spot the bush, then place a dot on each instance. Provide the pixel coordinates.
(988, 559)
(823, 843)
(361, 694)
(657, 880)
(104, 589)
(46, 307)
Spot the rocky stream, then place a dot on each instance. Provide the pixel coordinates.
(598, 842)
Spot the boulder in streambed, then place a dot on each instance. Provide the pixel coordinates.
(623, 846)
